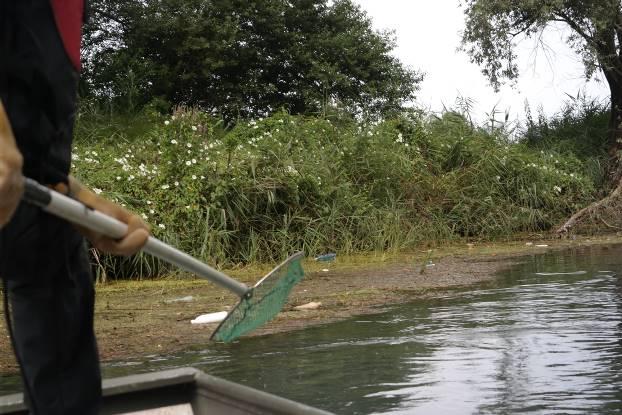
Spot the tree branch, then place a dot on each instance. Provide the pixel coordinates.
(574, 26)
(107, 15)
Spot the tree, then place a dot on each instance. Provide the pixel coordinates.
(493, 27)
(244, 58)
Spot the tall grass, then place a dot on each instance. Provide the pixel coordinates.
(269, 187)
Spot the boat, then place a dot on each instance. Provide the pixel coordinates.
(184, 391)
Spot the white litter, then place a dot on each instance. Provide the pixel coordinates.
(541, 246)
(309, 306)
(210, 318)
(325, 270)
(186, 299)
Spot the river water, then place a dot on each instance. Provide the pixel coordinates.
(545, 338)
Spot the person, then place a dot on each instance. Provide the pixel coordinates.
(44, 264)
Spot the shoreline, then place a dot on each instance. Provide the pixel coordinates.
(139, 318)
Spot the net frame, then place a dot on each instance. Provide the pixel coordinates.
(262, 302)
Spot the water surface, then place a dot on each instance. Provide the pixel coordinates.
(545, 338)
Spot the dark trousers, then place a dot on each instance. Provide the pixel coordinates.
(51, 297)
(43, 260)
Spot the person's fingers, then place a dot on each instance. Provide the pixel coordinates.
(11, 186)
(11, 189)
(132, 242)
(129, 245)
(135, 223)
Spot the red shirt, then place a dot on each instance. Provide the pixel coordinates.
(68, 15)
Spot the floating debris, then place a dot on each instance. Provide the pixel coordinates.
(210, 318)
(309, 306)
(186, 299)
(326, 257)
(542, 246)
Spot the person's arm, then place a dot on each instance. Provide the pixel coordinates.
(137, 232)
(11, 161)
(12, 187)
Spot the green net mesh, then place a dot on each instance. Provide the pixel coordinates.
(264, 301)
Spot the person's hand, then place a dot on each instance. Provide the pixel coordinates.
(137, 232)
(11, 161)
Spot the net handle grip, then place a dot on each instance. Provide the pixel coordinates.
(73, 211)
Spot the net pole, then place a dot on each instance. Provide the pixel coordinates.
(76, 212)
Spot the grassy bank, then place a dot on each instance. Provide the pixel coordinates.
(268, 187)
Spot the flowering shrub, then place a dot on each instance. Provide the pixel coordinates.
(268, 187)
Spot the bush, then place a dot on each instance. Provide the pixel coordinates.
(269, 187)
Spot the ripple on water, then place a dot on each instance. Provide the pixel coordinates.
(546, 339)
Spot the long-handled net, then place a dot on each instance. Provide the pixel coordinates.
(257, 305)
(263, 302)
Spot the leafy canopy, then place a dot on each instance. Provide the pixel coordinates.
(494, 26)
(244, 58)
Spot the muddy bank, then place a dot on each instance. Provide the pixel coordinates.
(153, 317)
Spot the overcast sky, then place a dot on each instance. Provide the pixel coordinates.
(428, 34)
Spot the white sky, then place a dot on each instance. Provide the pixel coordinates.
(428, 35)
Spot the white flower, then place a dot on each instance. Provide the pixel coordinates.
(176, 183)
(189, 145)
(161, 226)
(148, 202)
(152, 211)
(194, 161)
(97, 191)
(165, 186)
(194, 177)
(167, 122)
(188, 163)
(144, 216)
(194, 128)
(118, 177)
(173, 141)
(557, 189)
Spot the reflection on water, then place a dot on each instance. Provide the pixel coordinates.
(545, 339)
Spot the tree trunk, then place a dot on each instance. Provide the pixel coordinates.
(615, 134)
(614, 168)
